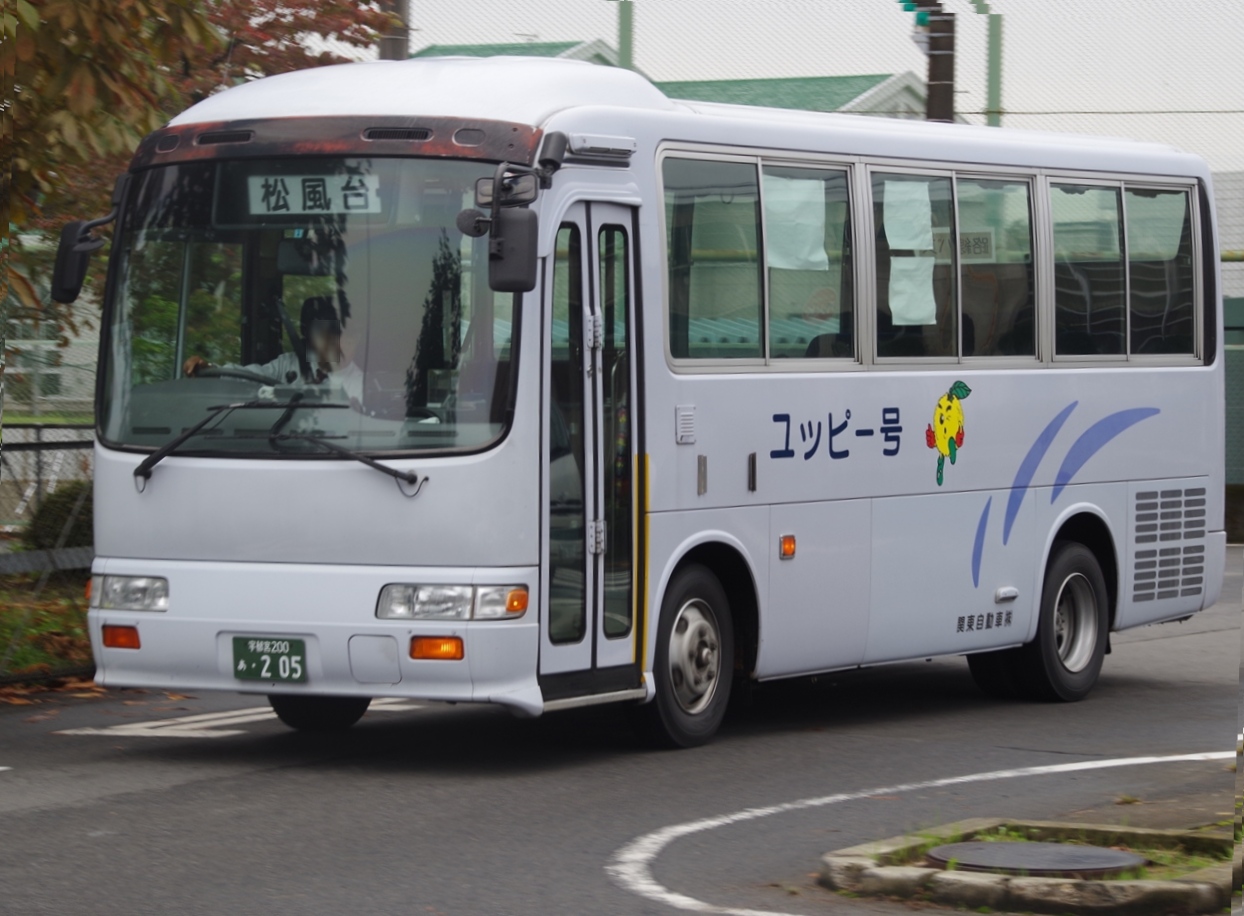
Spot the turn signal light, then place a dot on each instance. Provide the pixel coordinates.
(516, 601)
(786, 547)
(437, 648)
(121, 637)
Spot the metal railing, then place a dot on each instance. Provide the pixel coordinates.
(35, 459)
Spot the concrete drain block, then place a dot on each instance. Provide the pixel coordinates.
(1038, 882)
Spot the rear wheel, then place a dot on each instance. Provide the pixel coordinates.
(1064, 660)
(318, 714)
(694, 661)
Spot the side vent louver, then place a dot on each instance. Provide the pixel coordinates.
(219, 137)
(416, 134)
(1166, 564)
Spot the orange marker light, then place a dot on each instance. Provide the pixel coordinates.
(88, 589)
(786, 547)
(437, 648)
(516, 601)
(121, 637)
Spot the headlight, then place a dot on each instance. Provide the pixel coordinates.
(451, 602)
(129, 593)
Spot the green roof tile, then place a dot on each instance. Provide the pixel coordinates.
(514, 49)
(811, 93)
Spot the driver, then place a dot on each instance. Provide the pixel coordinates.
(329, 353)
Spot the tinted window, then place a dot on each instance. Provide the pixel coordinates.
(808, 255)
(996, 269)
(712, 212)
(1160, 278)
(1088, 270)
(917, 307)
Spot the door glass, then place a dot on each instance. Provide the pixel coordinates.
(567, 531)
(616, 427)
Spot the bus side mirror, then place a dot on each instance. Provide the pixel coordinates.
(72, 259)
(512, 260)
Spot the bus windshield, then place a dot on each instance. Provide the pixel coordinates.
(333, 282)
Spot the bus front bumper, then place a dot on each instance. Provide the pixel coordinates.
(331, 610)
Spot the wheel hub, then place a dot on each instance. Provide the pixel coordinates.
(694, 656)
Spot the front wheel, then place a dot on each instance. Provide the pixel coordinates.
(318, 714)
(694, 661)
(1065, 659)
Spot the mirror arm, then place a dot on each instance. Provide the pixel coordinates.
(87, 242)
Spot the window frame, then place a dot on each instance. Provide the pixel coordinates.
(1124, 182)
(860, 169)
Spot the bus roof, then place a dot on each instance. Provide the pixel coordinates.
(535, 91)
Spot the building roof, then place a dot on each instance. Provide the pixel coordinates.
(595, 52)
(513, 49)
(809, 93)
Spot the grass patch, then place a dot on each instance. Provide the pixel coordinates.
(48, 633)
(1235, 513)
(1164, 863)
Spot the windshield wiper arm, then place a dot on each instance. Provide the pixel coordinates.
(410, 478)
(143, 471)
(219, 412)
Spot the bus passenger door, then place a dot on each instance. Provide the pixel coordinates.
(588, 612)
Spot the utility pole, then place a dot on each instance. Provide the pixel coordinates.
(940, 84)
(993, 102)
(396, 45)
(626, 34)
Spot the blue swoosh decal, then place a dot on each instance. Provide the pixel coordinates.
(1094, 439)
(979, 547)
(1028, 468)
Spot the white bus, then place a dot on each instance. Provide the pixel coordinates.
(515, 381)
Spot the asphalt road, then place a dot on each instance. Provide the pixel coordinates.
(453, 810)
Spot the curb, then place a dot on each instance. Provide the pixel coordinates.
(881, 869)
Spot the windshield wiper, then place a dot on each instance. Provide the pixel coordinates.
(219, 412)
(410, 478)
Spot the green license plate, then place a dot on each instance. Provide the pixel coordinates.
(268, 658)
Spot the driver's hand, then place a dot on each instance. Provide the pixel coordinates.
(194, 364)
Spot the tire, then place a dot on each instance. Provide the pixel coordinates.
(694, 662)
(994, 673)
(1064, 660)
(318, 714)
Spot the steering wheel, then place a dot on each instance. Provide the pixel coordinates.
(244, 374)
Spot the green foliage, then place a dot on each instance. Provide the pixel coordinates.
(49, 521)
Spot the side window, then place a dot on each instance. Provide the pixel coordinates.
(917, 305)
(996, 268)
(1089, 317)
(1160, 271)
(712, 212)
(808, 256)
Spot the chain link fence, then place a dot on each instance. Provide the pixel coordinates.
(45, 549)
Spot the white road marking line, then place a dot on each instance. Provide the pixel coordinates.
(631, 866)
(212, 724)
(3, 769)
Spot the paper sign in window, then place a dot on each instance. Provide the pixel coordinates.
(795, 223)
(911, 291)
(908, 215)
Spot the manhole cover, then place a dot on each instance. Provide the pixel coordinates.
(1038, 860)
